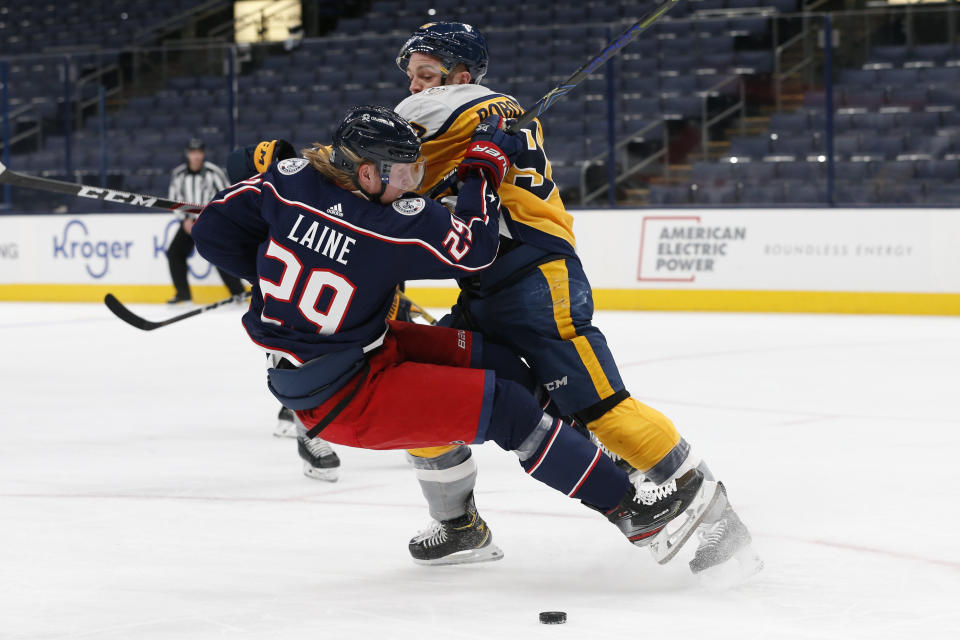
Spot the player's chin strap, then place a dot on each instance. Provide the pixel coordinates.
(373, 197)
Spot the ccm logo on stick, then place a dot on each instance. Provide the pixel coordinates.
(98, 193)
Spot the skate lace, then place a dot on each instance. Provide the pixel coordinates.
(649, 493)
(435, 534)
(319, 448)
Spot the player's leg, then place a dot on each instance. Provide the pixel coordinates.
(177, 254)
(397, 405)
(547, 316)
(320, 461)
(457, 535)
(447, 477)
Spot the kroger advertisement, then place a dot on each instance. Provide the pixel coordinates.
(92, 249)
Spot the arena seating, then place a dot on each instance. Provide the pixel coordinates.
(896, 138)
(693, 59)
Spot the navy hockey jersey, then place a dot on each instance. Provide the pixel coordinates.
(325, 261)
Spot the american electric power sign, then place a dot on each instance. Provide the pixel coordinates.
(877, 250)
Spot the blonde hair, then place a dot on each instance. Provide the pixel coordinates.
(319, 157)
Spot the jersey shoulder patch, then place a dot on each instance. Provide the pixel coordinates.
(290, 166)
(409, 206)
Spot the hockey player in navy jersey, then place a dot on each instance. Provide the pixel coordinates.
(326, 238)
(535, 298)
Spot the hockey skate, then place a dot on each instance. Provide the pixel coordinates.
(320, 461)
(462, 540)
(724, 553)
(286, 424)
(664, 517)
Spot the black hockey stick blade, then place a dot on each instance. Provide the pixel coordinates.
(128, 316)
(95, 193)
(562, 89)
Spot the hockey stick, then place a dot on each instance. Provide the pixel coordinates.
(417, 309)
(96, 193)
(140, 322)
(578, 76)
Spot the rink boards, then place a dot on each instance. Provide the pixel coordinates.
(800, 260)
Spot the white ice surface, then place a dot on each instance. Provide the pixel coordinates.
(142, 495)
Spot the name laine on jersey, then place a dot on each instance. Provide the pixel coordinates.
(330, 243)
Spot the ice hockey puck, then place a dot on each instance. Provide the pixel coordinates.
(553, 617)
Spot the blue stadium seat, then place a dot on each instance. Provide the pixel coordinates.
(852, 171)
(806, 193)
(715, 195)
(891, 54)
(946, 76)
(935, 53)
(678, 85)
(797, 146)
(713, 173)
(648, 85)
(875, 121)
(921, 121)
(748, 26)
(680, 64)
(763, 194)
(948, 170)
(854, 193)
(858, 77)
(790, 123)
(894, 170)
(676, 107)
(757, 172)
(898, 77)
(900, 193)
(846, 144)
(865, 98)
(754, 147)
(663, 194)
(801, 171)
(913, 97)
(944, 194)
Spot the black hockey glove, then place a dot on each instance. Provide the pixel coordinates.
(491, 151)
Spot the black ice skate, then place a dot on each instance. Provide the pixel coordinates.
(320, 461)
(461, 540)
(723, 537)
(286, 424)
(664, 517)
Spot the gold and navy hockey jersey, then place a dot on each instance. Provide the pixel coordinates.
(445, 118)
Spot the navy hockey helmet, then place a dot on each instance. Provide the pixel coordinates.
(379, 135)
(453, 43)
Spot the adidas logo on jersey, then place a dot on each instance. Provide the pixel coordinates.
(336, 210)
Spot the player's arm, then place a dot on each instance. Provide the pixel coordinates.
(230, 229)
(467, 239)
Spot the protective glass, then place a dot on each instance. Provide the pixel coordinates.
(403, 175)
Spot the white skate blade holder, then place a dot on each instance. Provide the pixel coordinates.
(666, 544)
(315, 473)
(489, 553)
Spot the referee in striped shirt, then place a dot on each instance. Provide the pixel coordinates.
(195, 181)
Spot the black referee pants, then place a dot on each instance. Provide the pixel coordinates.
(177, 253)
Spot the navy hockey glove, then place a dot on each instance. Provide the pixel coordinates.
(491, 151)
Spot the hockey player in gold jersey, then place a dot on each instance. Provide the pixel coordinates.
(536, 299)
